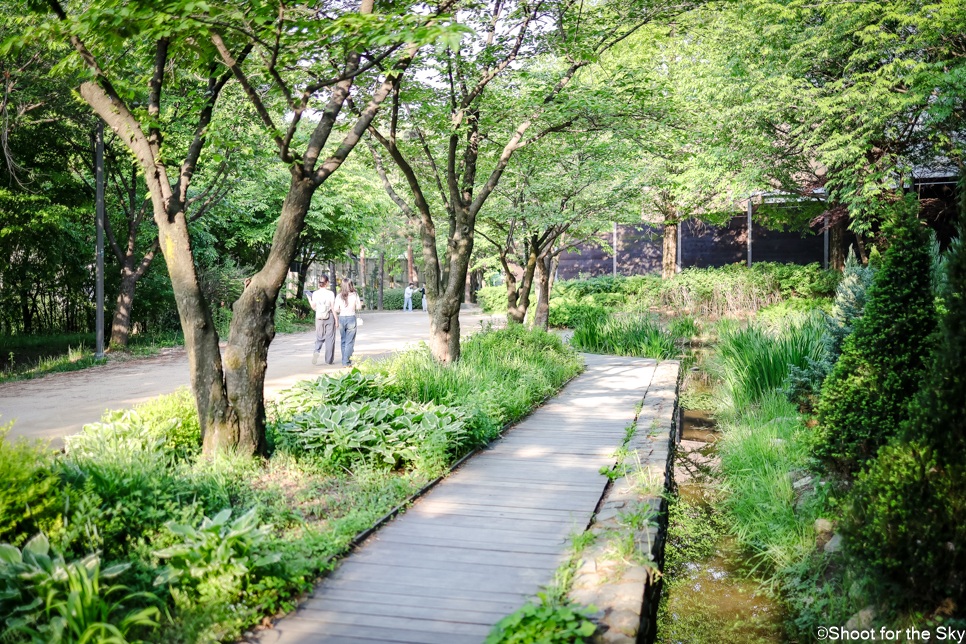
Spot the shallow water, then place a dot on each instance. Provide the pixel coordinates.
(709, 596)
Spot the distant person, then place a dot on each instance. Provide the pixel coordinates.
(347, 304)
(408, 297)
(425, 302)
(325, 321)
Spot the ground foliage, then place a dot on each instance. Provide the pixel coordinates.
(140, 523)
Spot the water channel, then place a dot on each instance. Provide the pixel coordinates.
(709, 595)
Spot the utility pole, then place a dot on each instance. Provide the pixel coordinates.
(750, 208)
(99, 165)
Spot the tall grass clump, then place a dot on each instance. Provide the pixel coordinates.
(752, 361)
(501, 375)
(625, 335)
(758, 450)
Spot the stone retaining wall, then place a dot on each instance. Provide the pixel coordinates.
(620, 572)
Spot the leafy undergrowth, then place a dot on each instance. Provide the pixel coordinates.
(141, 539)
(632, 335)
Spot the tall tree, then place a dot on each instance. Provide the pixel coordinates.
(136, 57)
(534, 51)
(559, 194)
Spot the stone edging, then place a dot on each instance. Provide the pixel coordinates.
(626, 589)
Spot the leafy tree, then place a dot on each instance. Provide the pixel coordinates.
(558, 194)
(474, 106)
(137, 58)
(865, 397)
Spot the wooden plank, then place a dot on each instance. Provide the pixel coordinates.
(475, 547)
(434, 612)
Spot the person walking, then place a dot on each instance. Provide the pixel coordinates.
(346, 305)
(408, 298)
(425, 302)
(325, 321)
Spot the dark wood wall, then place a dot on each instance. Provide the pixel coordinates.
(639, 248)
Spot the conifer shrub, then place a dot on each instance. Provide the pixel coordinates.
(908, 517)
(866, 396)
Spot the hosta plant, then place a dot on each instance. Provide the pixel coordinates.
(217, 558)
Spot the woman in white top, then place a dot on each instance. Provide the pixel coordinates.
(346, 306)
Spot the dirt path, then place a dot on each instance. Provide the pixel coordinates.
(60, 404)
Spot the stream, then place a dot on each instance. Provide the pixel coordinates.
(709, 596)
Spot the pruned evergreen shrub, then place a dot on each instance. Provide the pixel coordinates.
(908, 515)
(866, 396)
(803, 384)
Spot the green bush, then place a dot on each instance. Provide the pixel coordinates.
(569, 313)
(907, 523)
(29, 500)
(908, 517)
(492, 299)
(752, 361)
(501, 375)
(393, 299)
(377, 432)
(51, 600)
(624, 335)
(865, 397)
(173, 417)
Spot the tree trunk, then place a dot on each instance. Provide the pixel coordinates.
(121, 324)
(300, 285)
(541, 320)
(382, 276)
(670, 259)
(253, 328)
(333, 280)
(518, 299)
(836, 245)
(410, 276)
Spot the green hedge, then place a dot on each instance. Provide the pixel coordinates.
(394, 298)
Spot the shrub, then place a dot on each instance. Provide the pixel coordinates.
(501, 374)
(624, 335)
(908, 516)
(29, 500)
(377, 432)
(173, 417)
(493, 299)
(393, 299)
(752, 360)
(569, 313)
(51, 600)
(865, 397)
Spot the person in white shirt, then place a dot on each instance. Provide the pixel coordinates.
(326, 320)
(346, 305)
(425, 301)
(408, 298)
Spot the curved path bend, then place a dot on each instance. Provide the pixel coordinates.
(60, 404)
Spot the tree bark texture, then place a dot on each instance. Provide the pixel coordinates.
(837, 250)
(541, 319)
(669, 260)
(518, 297)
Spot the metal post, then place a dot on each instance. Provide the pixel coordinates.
(99, 165)
(826, 241)
(750, 208)
(615, 249)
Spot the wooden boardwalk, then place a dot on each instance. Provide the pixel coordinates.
(485, 539)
